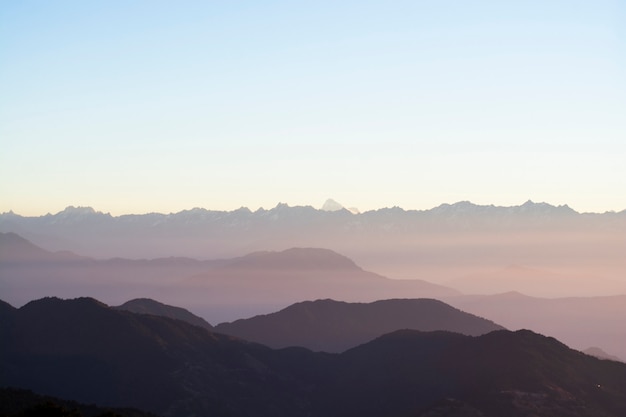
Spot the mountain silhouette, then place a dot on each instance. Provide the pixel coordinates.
(333, 326)
(85, 351)
(149, 306)
(294, 258)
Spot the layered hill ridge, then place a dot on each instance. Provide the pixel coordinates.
(83, 350)
(579, 322)
(272, 280)
(333, 326)
(149, 306)
(217, 290)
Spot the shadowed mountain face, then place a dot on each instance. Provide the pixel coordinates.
(333, 326)
(83, 350)
(148, 306)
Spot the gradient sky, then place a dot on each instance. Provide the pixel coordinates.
(140, 106)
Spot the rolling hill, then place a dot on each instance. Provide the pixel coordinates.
(268, 281)
(333, 326)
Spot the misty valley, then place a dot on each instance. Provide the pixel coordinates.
(461, 310)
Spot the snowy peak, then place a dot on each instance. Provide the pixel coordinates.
(332, 205)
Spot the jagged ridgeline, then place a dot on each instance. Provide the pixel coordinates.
(448, 243)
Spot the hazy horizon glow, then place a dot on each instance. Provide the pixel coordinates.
(155, 107)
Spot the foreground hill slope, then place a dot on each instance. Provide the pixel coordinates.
(83, 350)
(498, 374)
(25, 403)
(334, 326)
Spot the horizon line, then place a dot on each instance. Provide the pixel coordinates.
(351, 210)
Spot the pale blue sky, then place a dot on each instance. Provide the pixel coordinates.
(139, 106)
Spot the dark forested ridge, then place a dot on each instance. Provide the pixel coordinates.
(334, 326)
(85, 351)
(24, 403)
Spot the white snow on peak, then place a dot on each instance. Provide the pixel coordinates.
(332, 205)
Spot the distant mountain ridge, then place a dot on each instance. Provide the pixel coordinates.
(75, 228)
(76, 213)
(332, 326)
(438, 245)
(85, 351)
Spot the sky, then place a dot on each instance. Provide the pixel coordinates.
(158, 106)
